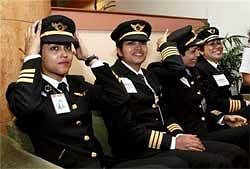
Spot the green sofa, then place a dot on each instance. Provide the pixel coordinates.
(17, 150)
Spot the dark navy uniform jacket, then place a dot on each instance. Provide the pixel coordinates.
(138, 129)
(182, 92)
(182, 88)
(220, 97)
(54, 134)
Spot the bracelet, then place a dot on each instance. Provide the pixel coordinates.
(90, 59)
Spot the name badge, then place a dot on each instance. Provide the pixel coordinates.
(60, 103)
(221, 80)
(204, 104)
(185, 81)
(233, 89)
(129, 86)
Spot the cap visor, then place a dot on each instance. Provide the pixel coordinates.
(58, 39)
(136, 37)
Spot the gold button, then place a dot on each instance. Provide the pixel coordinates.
(199, 92)
(200, 106)
(86, 138)
(74, 106)
(154, 105)
(192, 83)
(93, 154)
(156, 119)
(203, 118)
(78, 123)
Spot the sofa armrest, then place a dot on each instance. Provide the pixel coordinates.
(13, 156)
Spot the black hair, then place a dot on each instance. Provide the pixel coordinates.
(248, 36)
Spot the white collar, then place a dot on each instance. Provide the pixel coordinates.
(212, 63)
(133, 70)
(54, 82)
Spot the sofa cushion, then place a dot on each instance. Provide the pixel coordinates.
(13, 156)
(19, 136)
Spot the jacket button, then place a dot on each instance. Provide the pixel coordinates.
(203, 118)
(154, 106)
(200, 106)
(78, 123)
(93, 154)
(198, 92)
(86, 138)
(74, 106)
(156, 119)
(192, 83)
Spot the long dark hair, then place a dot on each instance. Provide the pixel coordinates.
(248, 36)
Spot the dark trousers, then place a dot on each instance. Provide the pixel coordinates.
(238, 156)
(239, 136)
(180, 159)
(158, 161)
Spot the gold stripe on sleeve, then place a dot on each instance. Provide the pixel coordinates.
(28, 71)
(159, 140)
(26, 75)
(26, 80)
(151, 139)
(155, 139)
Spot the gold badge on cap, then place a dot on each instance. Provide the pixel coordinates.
(59, 26)
(212, 31)
(137, 27)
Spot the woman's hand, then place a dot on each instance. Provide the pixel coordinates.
(235, 120)
(162, 39)
(32, 38)
(189, 142)
(81, 51)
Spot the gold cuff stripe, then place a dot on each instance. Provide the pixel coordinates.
(26, 75)
(151, 139)
(239, 104)
(27, 80)
(133, 33)
(28, 71)
(230, 106)
(170, 48)
(56, 33)
(159, 140)
(235, 105)
(171, 125)
(168, 52)
(155, 139)
(174, 127)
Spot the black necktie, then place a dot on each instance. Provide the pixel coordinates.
(63, 87)
(141, 77)
(219, 67)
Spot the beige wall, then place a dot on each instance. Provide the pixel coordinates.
(231, 16)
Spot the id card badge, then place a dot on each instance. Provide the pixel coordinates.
(204, 105)
(221, 80)
(185, 81)
(129, 86)
(60, 103)
(233, 89)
